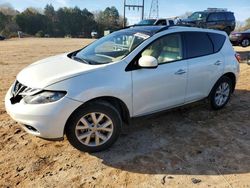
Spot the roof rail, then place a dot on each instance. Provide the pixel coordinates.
(169, 26)
(164, 28)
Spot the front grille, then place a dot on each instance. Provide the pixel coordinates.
(17, 90)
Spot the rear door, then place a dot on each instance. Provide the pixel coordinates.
(205, 65)
(216, 20)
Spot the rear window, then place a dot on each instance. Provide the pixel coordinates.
(230, 16)
(218, 41)
(198, 44)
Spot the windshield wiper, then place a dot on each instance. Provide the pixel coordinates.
(80, 59)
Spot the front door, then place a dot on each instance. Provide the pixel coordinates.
(165, 86)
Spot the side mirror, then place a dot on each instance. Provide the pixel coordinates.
(148, 62)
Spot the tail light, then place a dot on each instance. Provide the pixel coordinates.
(237, 56)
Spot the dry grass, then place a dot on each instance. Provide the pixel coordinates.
(166, 150)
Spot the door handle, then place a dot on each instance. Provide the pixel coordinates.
(180, 72)
(218, 63)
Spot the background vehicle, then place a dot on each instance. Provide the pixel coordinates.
(88, 94)
(212, 18)
(240, 38)
(94, 34)
(2, 37)
(161, 21)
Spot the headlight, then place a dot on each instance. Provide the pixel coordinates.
(44, 97)
(237, 35)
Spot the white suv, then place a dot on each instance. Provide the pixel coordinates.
(89, 93)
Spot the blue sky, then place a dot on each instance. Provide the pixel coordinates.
(167, 8)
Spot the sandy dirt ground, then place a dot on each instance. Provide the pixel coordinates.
(192, 146)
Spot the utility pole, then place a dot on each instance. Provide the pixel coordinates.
(133, 6)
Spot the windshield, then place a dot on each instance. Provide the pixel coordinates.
(111, 48)
(198, 16)
(147, 22)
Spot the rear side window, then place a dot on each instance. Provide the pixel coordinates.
(161, 22)
(218, 41)
(171, 22)
(218, 16)
(198, 44)
(230, 16)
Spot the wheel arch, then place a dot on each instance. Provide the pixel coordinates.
(231, 76)
(117, 103)
(114, 101)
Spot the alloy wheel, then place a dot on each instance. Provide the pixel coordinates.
(245, 42)
(222, 93)
(94, 129)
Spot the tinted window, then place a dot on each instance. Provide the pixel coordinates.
(216, 16)
(218, 40)
(161, 22)
(171, 22)
(165, 49)
(198, 44)
(147, 22)
(198, 16)
(230, 16)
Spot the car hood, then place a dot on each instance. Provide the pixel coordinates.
(51, 70)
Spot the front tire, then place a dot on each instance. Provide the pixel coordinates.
(94, 127)
(221, 93)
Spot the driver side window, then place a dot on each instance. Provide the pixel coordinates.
(165, 49)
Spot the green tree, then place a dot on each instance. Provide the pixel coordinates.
(50, 14)
(109, 19)
(88, 23)
(31, 21)
(74, 22)
(3, 20)
(8, 26)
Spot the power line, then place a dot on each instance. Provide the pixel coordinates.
(133, 6)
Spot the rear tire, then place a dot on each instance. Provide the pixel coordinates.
(221, 93)
(245, 43)
(94, 127)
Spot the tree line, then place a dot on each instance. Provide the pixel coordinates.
(73, 22)
(242, 26)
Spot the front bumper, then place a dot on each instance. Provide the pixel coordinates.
(42, 120)
(235, 43)
(235, 40)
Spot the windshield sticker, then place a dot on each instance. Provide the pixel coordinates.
(142, 35)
